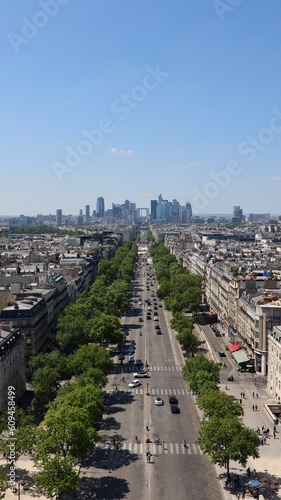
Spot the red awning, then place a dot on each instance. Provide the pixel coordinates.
(234, 347)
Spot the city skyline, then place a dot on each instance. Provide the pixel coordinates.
(146, 98)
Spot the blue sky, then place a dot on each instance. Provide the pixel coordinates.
(129, 99)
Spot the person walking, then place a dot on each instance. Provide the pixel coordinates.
(256, 407)
(253, 407)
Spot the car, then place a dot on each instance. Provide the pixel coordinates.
(217, 334)
(134, 383)
(140, 320)
(173, 400)
(160, 305)
(159, 332)
(148, 317)
(156, 318)
(131, 359)
(157, 327)
(131, 350)
(158, 401)
(149, 308)
(133, 342)
(141, 374)
(139, 362)
(121, 357)
(174, 409)
(222, 354)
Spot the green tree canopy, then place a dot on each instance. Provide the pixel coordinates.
(219, 404)
(91, 356)
(105, 329)
(225, 439)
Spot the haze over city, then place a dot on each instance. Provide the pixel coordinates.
(129, 100)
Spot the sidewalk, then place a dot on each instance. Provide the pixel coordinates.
(268, 465)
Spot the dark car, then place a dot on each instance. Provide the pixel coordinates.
(173, 400)
(222, 354)
(158, 332)
(174, 409)
(217, 334)
(140, 320)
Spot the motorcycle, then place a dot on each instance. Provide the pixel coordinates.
(231, 378)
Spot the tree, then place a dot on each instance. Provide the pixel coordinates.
(91, 356)
(66, 431)
(194, 368)
(226, 439)
(72, 331)
(219, 404)
(94, 376)
(105, 329)
(57, 475)
(46, 382)
(54, 359)
(89, 397)
(188, 341)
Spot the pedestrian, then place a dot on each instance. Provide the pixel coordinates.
(240, 401)
(267, 431)
(264, 440)
(253, 394)
(257, 394)
(163, 444)
(253, 407)
(244, 395)
(262, 428)
(136, 438)
(147, 428)
(248, 471)
(256, 407)
(113, 440)
(274, 434)
(241, 394)
(115, 387)
(254, 472)
(225, 387)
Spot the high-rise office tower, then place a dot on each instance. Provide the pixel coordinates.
(188, 210)
(237, 213)
(153, 206)
(100, 207)
(59, 217)
(87, 213)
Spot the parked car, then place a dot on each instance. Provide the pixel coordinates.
(139, 362)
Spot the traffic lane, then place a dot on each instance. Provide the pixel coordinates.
(174, 428)
(184, 476)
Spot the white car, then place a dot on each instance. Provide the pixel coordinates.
(134, 383)
(156, 318)
(141, 374)
(158, 401)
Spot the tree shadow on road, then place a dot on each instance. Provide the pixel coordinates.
(109, 423)
(104, 488)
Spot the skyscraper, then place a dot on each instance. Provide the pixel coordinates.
(153, 205)
(100, 207)
(59, 217)
(237, 214)
(87, 212)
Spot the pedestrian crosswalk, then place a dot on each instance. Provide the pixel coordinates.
(158, 449)
(133, 368)
(153, 392)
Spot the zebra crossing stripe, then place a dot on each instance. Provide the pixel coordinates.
(177, 448)
(171, 448)
(195, 449)
(188, 448)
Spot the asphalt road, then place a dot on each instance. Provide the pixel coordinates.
(174, 471)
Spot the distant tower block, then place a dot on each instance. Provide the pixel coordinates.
(142, 213)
